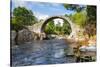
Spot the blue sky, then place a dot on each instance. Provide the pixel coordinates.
(42, 9)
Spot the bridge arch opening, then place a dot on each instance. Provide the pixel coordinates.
(66, 19)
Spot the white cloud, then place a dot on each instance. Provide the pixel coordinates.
(19, 3)
(58, 20)
(55, 4)
(44, 16)
(40, 16)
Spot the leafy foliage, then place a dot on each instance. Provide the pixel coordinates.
(91, 13)
(79, 18)
(22, 17)
(58, 28)
(49, 29)
(66, 28)
(84, 16)
(74, 7)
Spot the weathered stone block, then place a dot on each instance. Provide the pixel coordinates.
(24, 36)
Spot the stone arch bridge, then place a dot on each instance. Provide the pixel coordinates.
(39, 27)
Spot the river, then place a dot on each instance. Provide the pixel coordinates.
(40, 52)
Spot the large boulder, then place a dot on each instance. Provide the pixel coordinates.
(24, 35)
(39, 36)
(13, 36)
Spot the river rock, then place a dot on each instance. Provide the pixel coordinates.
(24, 36)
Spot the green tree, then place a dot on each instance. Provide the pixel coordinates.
(91, 13)
(80, 18)
(66, 28)
(15, 26)
(50, 27)
(80, 15)
(84, 16)
(22, 17)
(58, 27)
(74, 7)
